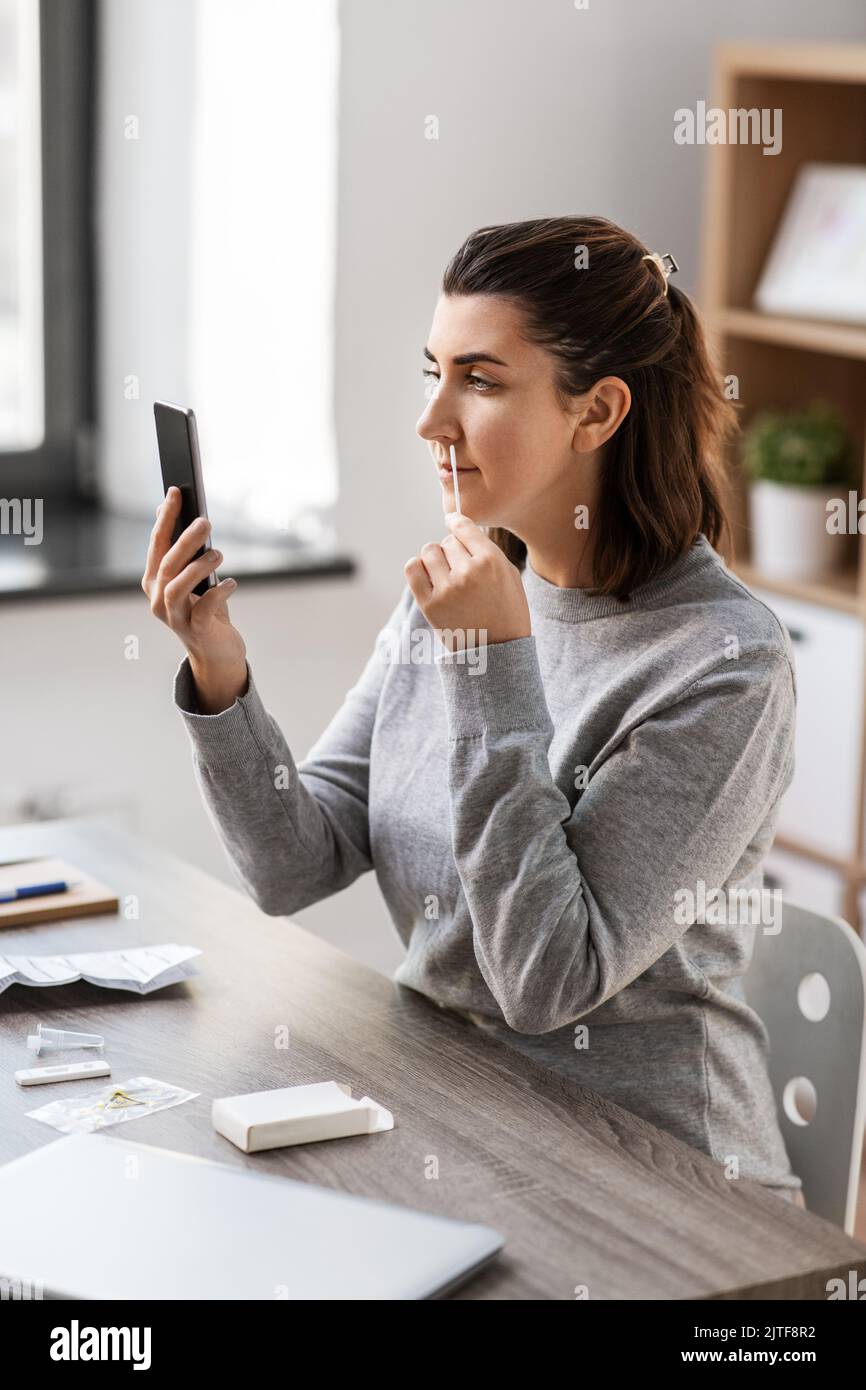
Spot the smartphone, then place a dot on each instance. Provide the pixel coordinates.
(177, 438)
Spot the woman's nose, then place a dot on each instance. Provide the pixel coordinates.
(431, 421)
(436, 420)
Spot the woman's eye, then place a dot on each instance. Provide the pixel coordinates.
(480, 385)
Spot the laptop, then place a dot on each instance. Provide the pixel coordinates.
(94, 1216)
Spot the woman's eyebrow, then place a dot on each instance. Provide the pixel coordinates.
(467, 358)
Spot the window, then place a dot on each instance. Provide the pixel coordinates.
(46, 92)
(216, 222)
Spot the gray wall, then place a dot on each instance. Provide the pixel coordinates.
(543, 110)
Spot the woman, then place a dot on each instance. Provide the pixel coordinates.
(602, 731)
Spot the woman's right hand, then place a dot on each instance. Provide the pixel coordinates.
(217, 653)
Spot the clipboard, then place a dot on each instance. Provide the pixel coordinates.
(88, 898)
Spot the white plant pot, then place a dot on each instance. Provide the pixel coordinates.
(790, 539)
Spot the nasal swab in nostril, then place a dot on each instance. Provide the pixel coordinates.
(454, 476)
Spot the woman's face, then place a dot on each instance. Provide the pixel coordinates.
(494, 400)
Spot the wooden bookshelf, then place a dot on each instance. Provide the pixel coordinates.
(784, 362)
(837, 591)
(810, 335)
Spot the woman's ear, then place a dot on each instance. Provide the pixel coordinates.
(606, 405)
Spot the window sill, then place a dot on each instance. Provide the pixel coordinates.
(92, 551)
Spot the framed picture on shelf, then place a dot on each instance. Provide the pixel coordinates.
(817, 263)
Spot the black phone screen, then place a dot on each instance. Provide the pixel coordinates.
(178, 457)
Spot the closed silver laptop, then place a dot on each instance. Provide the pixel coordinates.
(98, 1217)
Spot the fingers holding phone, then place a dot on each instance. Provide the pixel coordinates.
(180, 571)
(174, 572)
(165, 557)
(217, 651)
(180, 581)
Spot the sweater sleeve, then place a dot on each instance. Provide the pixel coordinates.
(569, 906)
(293, 833)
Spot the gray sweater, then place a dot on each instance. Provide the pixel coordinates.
(548, 819)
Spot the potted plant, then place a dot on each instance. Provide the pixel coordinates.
(797, 461)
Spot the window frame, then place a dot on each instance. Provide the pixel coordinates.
(59, 469)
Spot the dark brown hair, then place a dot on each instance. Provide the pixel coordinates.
(663, 477)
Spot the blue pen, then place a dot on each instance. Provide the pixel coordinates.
(34, 890)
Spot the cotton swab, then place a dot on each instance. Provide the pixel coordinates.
(454, 476)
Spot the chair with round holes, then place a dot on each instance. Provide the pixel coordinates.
(808, 986)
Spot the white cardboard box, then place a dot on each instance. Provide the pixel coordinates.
(297, 1115)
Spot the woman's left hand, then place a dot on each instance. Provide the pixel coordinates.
(466, 584)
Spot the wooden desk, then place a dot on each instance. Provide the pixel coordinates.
(584, 1192)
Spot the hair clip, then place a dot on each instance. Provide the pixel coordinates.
(666, 264)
